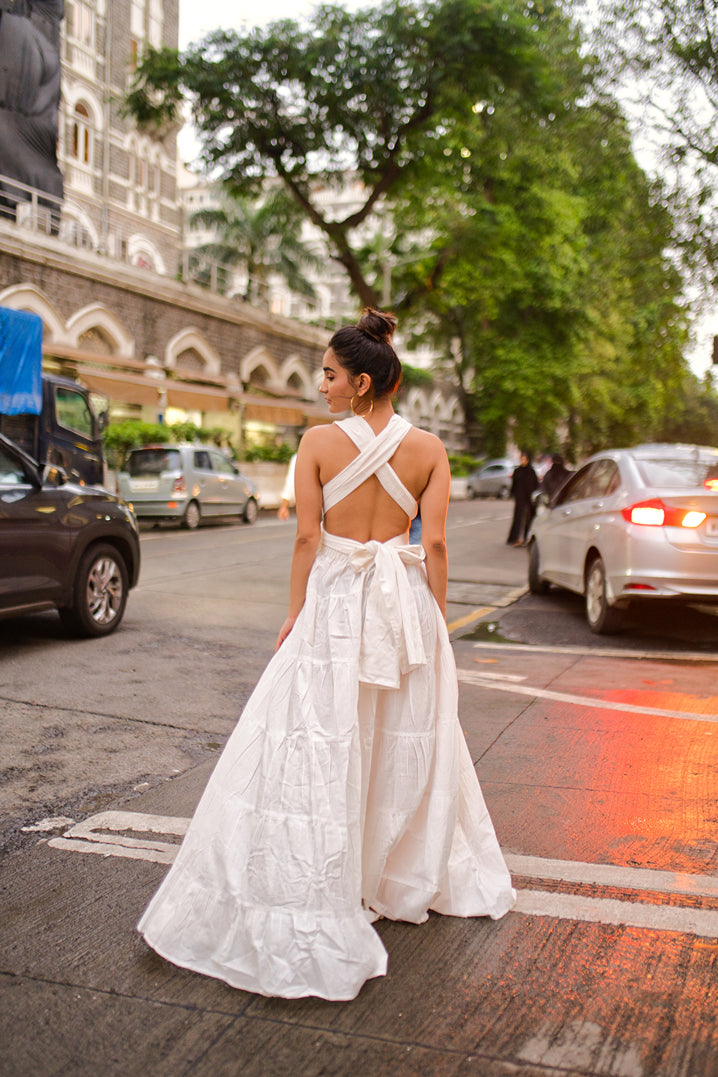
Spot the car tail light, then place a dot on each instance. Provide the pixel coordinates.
(179, 486)
(655, 514)
(711, 484)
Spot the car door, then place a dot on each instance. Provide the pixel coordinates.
(34, 538)
(583, 519)
(230, 484)
(204, 483)
(557, 527)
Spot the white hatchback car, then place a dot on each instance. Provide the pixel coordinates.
(631, 524)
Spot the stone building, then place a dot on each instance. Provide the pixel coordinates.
(120, 183)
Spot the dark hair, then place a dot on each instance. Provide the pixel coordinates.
(365, 348)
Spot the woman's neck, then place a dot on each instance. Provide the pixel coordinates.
(380, 415)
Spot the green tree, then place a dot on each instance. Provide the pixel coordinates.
(661, 58)
(306, 102)
(548, 290)
(263, 238)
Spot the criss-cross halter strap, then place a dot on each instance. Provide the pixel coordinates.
(375, 450)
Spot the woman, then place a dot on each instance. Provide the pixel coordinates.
(524, 482)
(346, 792)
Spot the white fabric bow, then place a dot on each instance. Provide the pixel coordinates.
(391, 641)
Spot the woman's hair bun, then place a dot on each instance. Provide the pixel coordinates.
(378, 324)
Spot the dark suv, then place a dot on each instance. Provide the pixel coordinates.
(63, 546)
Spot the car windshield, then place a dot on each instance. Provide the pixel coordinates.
(682, 472)
(153, 462)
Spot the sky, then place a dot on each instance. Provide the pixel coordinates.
(199, 17)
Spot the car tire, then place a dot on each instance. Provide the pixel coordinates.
(192, 516)
(505, 493)
(99, 593)
(251, 510)
(602, 619)
(537, 584)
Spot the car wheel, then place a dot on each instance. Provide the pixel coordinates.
(250, 511)
(602, 618)
(505, 493)
(99, 594)
(537, 585)
(192, 516)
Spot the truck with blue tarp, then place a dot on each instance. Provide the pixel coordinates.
(49, 416)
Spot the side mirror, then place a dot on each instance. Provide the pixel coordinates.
(53, 475)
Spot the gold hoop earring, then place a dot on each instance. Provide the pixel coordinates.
(355, 412)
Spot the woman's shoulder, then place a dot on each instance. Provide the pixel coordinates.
(424, 440)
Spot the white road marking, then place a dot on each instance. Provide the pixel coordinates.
(598, 652)
(480, 680)
(105, 834)
(702, 922)
(53, 822)
(576, 871)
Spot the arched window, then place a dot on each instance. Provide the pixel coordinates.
(81, 148)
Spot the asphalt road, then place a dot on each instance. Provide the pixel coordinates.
(598, 759)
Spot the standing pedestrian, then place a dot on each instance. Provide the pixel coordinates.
(287, 495)
(346, 792)
(523, 483)
(555, 477)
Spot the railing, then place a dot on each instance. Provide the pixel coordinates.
(29, 208)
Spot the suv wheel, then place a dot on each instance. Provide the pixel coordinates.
(100, 593)
(602, 618)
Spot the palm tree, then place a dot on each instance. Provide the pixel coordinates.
(262, 238)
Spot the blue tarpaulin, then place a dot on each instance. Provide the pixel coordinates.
(20, 362)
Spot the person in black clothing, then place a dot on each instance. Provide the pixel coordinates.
(523, 483)
(555, 477)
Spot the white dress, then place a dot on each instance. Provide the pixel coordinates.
(346, 790)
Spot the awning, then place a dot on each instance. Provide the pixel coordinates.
(124, 388)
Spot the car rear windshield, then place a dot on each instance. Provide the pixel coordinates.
(681, 472)
(153, 462)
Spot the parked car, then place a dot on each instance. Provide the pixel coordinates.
(492, 479)
(631, 525)
(63, 546)
(186, 483)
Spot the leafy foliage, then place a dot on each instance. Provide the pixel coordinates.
(661, 58)
(120, 437)
(306, 102)
(525, 242)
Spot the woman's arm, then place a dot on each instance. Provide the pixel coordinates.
(434, 506)
(308, 497)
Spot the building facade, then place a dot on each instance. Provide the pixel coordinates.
(120, 183)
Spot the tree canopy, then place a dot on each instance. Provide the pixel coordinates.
(306, 102)
(661, 58)
(521, 235)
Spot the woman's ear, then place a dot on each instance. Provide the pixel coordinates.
(363, 384)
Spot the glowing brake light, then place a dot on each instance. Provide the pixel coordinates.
(711, 484)
(656, 514)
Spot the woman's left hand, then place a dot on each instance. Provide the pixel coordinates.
(284, 632)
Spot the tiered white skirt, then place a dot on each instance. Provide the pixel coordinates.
(335, 800)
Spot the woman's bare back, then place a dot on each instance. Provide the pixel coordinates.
(369, 512)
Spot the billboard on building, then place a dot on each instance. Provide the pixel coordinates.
(29, 99)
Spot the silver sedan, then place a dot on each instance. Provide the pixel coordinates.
(630, 525)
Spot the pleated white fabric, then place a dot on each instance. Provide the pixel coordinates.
(346, 791)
